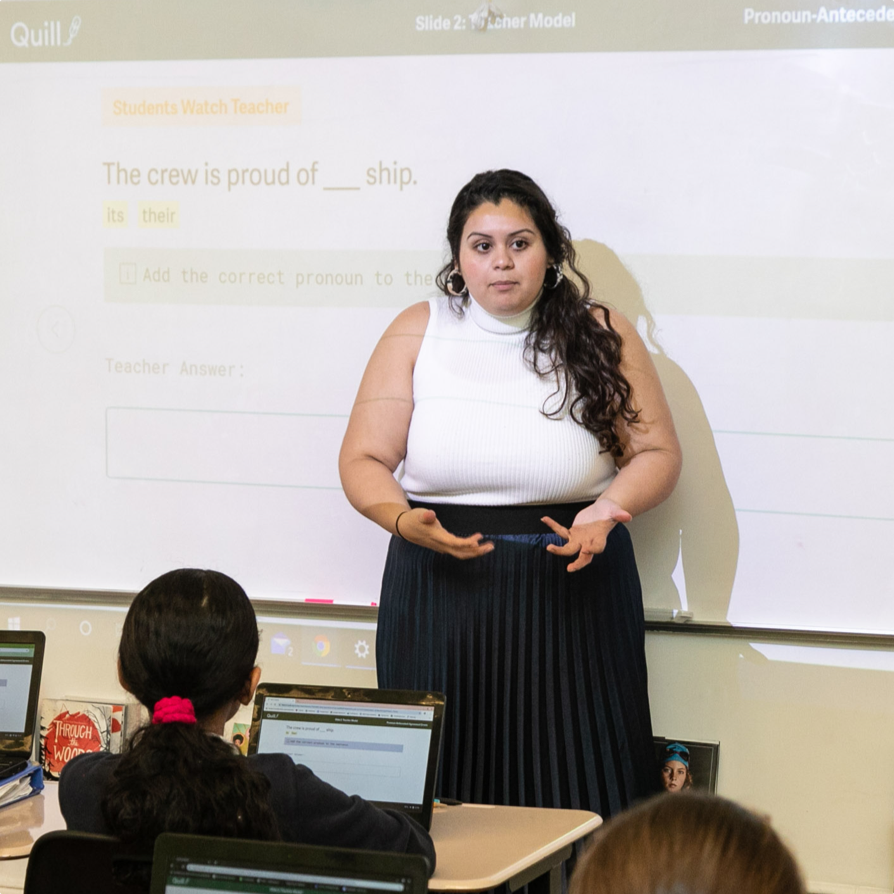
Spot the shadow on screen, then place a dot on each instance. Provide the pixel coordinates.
(696, 527)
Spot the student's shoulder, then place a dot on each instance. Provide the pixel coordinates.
(81, 785)
(270, 763)
(85, 773)
(293, 785)
(92, 763)
(280, 767)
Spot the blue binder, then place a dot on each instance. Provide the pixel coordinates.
(33, 773)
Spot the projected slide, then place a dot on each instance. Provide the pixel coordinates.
(203, 238)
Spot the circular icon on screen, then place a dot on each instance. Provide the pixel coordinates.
(86, 628)
(321, 645)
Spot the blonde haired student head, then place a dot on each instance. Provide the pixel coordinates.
(692, 843)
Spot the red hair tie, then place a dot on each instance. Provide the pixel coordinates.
(174, 709)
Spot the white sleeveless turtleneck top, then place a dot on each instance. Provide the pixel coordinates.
(477, 435)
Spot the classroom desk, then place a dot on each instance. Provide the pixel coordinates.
(20, 825)
(478, 846)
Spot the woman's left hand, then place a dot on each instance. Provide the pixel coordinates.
(588, 533)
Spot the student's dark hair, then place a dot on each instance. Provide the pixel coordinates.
(564, 340)
(192, 634)
(690, 843)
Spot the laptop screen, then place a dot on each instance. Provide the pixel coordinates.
(381, 745)
(187, 876)
(16, 668)
(21, 660)
(187, 864)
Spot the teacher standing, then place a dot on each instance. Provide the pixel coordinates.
(531, 425)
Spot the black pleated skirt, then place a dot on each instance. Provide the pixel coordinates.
(544, 671)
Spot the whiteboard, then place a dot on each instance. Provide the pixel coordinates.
(211, 214)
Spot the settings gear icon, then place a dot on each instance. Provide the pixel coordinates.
(361, 648)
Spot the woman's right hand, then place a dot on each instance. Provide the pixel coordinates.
(376, 442)
(421, 526)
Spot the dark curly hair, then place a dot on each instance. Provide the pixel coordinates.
(564, 340)
(193, 634)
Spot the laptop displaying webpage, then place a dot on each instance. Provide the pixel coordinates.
(190, 876)
(16, 670)
(376, 750)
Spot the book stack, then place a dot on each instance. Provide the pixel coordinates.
(69, 727)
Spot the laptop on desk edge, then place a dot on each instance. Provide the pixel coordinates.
(381, 744)
(21, 665)
(184, 863)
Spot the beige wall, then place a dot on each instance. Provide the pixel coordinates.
(805, 736)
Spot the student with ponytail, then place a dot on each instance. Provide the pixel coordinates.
(188, 651)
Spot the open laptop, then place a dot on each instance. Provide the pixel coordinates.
(21, 663)
(381, 744)
(191, 864)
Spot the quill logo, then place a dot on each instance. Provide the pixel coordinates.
(47, 35)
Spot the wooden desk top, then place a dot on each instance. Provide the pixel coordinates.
(478, 846)
(21, 824)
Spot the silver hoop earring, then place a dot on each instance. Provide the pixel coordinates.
(559, 276)
(451, 283)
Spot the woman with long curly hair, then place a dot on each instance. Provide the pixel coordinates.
(529, 425)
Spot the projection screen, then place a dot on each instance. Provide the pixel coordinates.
(212, 210)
